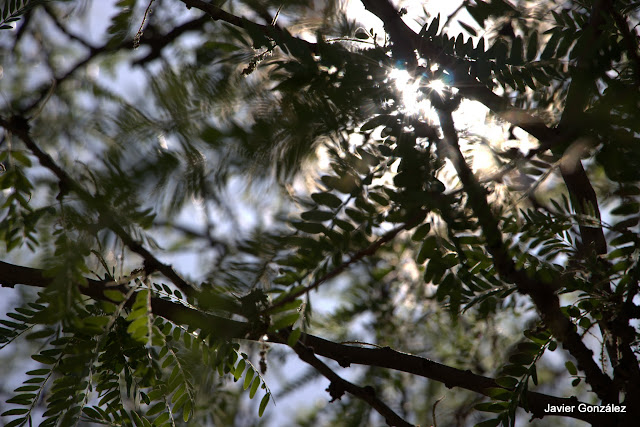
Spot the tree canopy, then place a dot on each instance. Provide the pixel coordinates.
(437, 215)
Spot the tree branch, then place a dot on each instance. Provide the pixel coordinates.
(583, 77)
(218, 14)
(156, 43)
(468, 86)
(63, 29)
(542, 294)
(19, 126)
(339, 385)
(221, 327)
(581, 191)
(573, 172)
(369, 250)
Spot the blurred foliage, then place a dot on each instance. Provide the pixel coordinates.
(279, 151)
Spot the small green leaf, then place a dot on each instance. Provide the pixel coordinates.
(499, 393)
(156, 409)
(38, 372)
(521, 358)
(428, 249)
(293, 338)
(317, 215)
(22, 399)
(514, 370)
(284, 321)
(186, 412)
(345, 225)
(362, 34)
(17, 421)
(626, 209)
(327, 199)
(248, 377)
(113, 295)
(239, 369)
(532, 46)
(27, 388)
(346, 183)
(161, 418)
(571, 368)
(137, 420)
(309, 227)
(433, 28)
(17, 411)
(263, 404)
(92, 413)
(421, 232)
(254, 387)
(47, 360)
(489, 423)
(44, 333)
(355, 214)
(507, 382)
(529, 347)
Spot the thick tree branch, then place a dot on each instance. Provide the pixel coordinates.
(573, 172)
(218, 14)
(221, 327)
(617, 333)
(583, 196)
(579, 185)
(11, 275)
(339, 385)
(386, 357)
(20, 127)
(542, 294)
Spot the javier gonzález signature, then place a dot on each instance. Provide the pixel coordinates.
(583, 407)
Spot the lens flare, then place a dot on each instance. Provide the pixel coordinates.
(408, 87)
(437, 86)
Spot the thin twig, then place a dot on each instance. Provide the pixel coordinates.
(155, 43)
(64, 29)
(19, 126)
(138, 36)
(369, 250)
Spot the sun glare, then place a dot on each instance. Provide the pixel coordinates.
(438, 86)
(412, 91)
(408, 87)
(400, 77)
(470, 117)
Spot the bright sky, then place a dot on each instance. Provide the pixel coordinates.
(414, 10)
